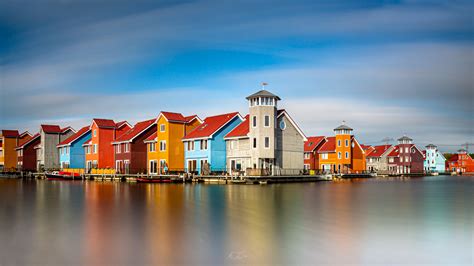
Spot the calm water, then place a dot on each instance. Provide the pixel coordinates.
(369, 222)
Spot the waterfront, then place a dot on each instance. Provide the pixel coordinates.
(371, 222)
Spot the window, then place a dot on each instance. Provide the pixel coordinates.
(347, 143)
(390, 159)
(162, 127)
(127, 147)
(324, 155)
(347, 155)
(339, 155)
(153, 167)
(163, 166)
(190, 145)
(267, 121)
(254, 121)
(163, 145)
(306, 155)
(401, 159)
(126, 166)
(406, 150)
(254, 143)
(339, 143)
(231, 144)
(118, 148)
(407, 159)
(95, 132)
(204, 144)
(152, 147)
(282, 125)
(95, 148)
(267, 142)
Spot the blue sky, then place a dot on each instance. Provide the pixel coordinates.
(386, 67)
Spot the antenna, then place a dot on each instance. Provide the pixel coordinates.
(263, 85)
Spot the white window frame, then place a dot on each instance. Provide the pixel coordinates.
(96, 147)
(339, 155)
(254, 121)
(95, 132)
(346, 142)
(339, 143)
(152, 147)
(162, 127)
(127, 147)
(118, 148)
(347, 155)
(254, 143)
(265, 120)
(265, 142)
(150, 168)
(325, 156)
(162, 145)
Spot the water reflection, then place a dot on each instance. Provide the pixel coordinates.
(377, 221)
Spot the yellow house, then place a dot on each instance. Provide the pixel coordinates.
(165, 150)
(9, 139)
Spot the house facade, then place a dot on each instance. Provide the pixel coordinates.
(311, 155)
(26, 153)
(47, 154)
(434, 162)
(131, 150)
(405, 158)
(166, 149)
(342, 153)
(9, 140)
(205, 147)
(238, 148)
(460, 163)
(99, 150)
(377, 160)
(71, 152)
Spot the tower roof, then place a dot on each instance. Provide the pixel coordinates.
(343, 127)
(429, 146)
(405, 138)
(262, 93)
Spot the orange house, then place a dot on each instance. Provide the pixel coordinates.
(99, 151)
(9, 140)
(165, 150)
(342, 153)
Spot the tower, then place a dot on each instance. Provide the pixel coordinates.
(343, 146)
(262, 127)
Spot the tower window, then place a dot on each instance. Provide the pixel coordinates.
(254, 143)
(267, 142)
(254, 121)
(267, 121)
(339, 143)
(347, 143)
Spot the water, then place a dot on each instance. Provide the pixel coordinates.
(367, 222)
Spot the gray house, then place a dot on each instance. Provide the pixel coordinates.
(47, 154)
(268, 141)
(377, 160)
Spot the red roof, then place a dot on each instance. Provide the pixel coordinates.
(63, 130)
(177, 117)
(190, 118)
(312, 143)
(75, 136)
(109, 123)
(152, 137)
(329, 146)
(379, 150)
(25, 133)
(136, 130)
(10, 133)
(211, 125)
(395, 152)
(51, 129)
(241, 130)
(365, 147)
(26, 140)
(121, 123)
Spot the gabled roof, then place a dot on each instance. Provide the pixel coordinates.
(135, 131)
(66, 129)
(74, 136)
(241, 130)
(395, 152)
(121, 124)
(283, 112)
(211, 125)
(104, 123)
(365, 147)
(312, 143)
(87, 142)
(26, 141)
(328, 146)
(177, 117)
(51, 129)
(262, 93)
(10, 133)
(26, 133)
(151, 138)
(379, 150)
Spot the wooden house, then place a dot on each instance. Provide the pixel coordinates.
(26, 153)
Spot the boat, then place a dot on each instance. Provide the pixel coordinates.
(61, 175)
(153, 180)
(263, 182)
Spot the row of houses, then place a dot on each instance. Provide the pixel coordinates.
(266, 141)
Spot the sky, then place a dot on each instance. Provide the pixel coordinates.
(387, 68)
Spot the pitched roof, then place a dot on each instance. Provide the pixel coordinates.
(405, 138)
(151, 138)
(312, 143)
(395, 152)
(365, 147)
(379, 150)
(104, 123)
(74, 136)
(211, 125)
(262, 93)
(177, 117)
(241, 130)
(64, 130)
(10, 133)
(431, 146)
(135, 131)
(87, 142)
(283, 112)
(329, 145)
(191, 118)
(27, 140)
(50, 129)
(122, 123)
(342, 127)
(25, 133)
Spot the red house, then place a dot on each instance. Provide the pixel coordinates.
(131, 150)
(461, 162)
(311, 155)
(26, 153)
(405, 158)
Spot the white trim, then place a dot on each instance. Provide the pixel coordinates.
(210, 136)
(141, 132)
(293, 123)
(69, 144)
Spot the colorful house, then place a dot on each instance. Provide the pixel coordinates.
(342, 153)
(47, 154)
(131, 150)
(460, 163)
(9, 140)
(434, 162)
(26, 153)
(166, 149)
(205, 147)
(405, 158)
(311, 155)
(377, 160)
(99, 149)
(71, 152)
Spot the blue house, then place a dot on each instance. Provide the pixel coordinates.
(71, 152)
(205, 147)
(434, 160)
